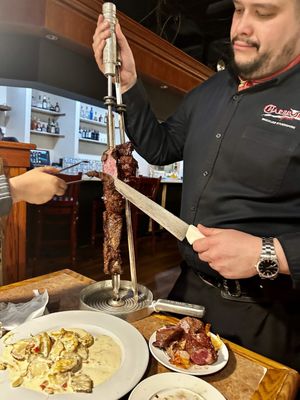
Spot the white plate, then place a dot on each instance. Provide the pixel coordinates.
(163, 358)
(135, 354)
(156, 384)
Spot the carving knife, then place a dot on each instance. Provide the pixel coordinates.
(176, 226)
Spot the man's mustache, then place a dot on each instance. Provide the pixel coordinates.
(247, 41)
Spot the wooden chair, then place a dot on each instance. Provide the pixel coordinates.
(149, 187)
(53, 214)
(97, 211)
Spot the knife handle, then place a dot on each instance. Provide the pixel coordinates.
(193, 234)
(177, 307)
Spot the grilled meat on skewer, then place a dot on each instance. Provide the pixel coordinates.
(117, 162)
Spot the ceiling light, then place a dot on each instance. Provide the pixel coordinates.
(164, 86)
(50, 36)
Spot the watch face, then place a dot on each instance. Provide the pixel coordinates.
(268, 269)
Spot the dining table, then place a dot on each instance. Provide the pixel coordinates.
(246, 376)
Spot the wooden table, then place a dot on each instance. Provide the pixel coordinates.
(247, 376)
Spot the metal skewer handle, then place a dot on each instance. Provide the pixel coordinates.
(110, 49)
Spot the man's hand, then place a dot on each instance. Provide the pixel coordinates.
(234, 254)
(37, 186)
(128, 75)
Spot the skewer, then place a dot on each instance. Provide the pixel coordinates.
(109, 62)
(70, 166)
(132, 261)
(112, 64)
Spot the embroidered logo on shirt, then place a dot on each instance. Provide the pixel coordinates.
(280, 116)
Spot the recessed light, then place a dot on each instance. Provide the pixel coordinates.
(164, 86)
(50, 36)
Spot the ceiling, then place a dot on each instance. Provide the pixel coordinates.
(198, 27)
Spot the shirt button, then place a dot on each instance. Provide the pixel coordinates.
(218, 135)
(205, 173)
(193, 208)
(235, 97)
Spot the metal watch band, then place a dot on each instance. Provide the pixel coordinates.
(268, 249)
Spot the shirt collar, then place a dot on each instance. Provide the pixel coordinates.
(245, 84)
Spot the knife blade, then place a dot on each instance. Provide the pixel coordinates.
(176, 226)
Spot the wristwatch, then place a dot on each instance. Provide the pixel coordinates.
(268, 265)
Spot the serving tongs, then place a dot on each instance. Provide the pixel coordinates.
(112, 63)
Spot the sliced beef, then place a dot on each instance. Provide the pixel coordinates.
(191, 325)
(200, 348)
(166, 335)
(186, 341)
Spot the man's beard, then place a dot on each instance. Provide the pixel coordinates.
(263, 65)
(250, 69)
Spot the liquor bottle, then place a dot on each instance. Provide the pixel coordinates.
(52, 126)
(81, 111)
(49, 125)
(57, 129)
(57, 108)
(33, 124)
(33, 101)
(39, 103)
(91, 114)
(87, 113)
(44, 103)
(105, 118)
(38, 125)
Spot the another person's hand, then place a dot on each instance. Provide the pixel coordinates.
(37, 186)
(128, 75)
(232, 253)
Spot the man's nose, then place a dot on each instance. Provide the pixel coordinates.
(244, 26)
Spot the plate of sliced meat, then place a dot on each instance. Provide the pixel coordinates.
(189, 347)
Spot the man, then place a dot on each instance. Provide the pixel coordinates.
(36, 186)
(239, 137)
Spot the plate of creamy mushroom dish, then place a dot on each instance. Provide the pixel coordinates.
(72, 354)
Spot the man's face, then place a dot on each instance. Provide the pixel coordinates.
(265, 36)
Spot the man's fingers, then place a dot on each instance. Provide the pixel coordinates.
(208, 231)
(205, 256)
(62, 185)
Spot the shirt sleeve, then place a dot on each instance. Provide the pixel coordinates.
(290, 244)
(5, 197)
(160, 143)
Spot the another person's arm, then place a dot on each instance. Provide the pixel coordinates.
(37, 186)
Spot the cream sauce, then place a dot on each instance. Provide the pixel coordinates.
(103, 361)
